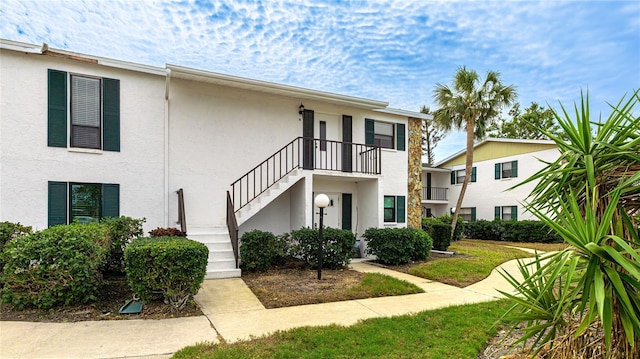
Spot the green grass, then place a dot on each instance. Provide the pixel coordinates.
(381, 285)
(477, 260)
(453, 332)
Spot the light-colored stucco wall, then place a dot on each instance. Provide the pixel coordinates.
(487, 192)
(27, 163)
(218, 133)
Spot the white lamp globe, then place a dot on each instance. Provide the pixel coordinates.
(322, 200)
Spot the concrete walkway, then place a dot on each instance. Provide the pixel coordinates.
(232, 313)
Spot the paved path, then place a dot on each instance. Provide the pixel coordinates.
(231, 312)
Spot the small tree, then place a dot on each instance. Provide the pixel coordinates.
(431, 135)
(526, 125)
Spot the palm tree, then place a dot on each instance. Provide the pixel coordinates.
(471, 104)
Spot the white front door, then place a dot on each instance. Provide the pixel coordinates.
(331, 213)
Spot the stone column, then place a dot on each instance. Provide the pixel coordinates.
(414, 190)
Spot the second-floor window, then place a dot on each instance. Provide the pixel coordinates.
(385, 134)
(506, 169)
(83, 111)
(457, 176)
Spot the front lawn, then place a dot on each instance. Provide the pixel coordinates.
(454, 332)
(474, 261)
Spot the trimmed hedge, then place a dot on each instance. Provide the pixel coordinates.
(511, 231)
(398, 245)
(123, 230)
(459, 225)
(175, 266)
(337, 248)
(10, 231)
(58, 265)
(167, 232)
(259, 250)
(439, 231)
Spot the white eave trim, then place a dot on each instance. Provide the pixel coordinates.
(405, 113)
(44, 49)
(271, 87)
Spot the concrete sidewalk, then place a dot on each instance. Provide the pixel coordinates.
(232, 313)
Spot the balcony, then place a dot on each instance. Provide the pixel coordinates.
(434, 194)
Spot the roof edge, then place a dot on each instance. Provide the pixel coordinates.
(494, 139)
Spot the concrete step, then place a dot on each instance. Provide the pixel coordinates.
(221, 254)
(223, 273)
(220, 263)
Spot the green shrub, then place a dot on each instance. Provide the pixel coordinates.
(10, 231)
(58, 265)
(459, 226)
(398, 245)
(336, 251)
(260, 250)
(123, 230)
(511, 231)
(439, 232)
(176, 266)
(167, 232)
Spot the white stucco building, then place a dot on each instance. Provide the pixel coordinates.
(498, 164)
(84, 137)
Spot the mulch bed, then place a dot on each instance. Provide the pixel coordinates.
(112, 296)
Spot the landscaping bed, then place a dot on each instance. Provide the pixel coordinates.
(293, 284)
(112, 296)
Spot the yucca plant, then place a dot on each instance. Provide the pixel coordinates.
(585, 301)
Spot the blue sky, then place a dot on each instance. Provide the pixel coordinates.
(394, 51)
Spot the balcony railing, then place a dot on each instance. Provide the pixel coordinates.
(309, 154)
(434, 193)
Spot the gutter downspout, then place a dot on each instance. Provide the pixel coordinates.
(166, 148)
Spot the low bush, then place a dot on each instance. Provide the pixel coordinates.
(398, 245)
(175, 266)
(167, 232)
(459, 226)
(58, 265)
(337, 248)
(439, 232)
(511, 231)
(123, 230)
(259, 250)
(10, 231)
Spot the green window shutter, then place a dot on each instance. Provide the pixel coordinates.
(111, 114)
(453, 177)
(497, 171)
(473, 214)
(400, 136)
(497, 213)
(57, 109)
(110, 200)
(368, 132)
(400, 209)
(473, 174)
(346, 211)
(514, 168)
(514, 213)
(57, 203)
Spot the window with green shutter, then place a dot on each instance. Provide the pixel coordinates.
(385, 134)
(506, 170)
(82, 202)
(457, 177)
(93, 112)
(473, 174)
(401, 136)
(389, 208)
(506, 213)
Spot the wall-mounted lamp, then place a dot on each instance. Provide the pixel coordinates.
(301, 109)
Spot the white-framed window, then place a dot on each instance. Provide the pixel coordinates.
(82, 202)
(457, 176)
(394, 209)
(86, 113)
(506, 213)
(506, 170)
(468, 214)
(385, 134)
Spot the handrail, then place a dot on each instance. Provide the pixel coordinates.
(309, 154)
(182, 220)
(232, 226)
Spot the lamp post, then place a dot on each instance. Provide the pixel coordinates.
(322, 201)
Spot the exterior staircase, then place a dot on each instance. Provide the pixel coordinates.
(268, 196)
(222, 263)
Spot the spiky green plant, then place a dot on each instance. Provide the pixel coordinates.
(591, 197)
